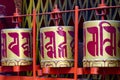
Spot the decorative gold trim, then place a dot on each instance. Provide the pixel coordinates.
(101, 63)
(60, 63)
(18, 62)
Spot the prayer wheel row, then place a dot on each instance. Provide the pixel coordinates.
(101, 45)
(56, 46)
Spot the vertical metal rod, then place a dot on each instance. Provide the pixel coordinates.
(34, 44)
(102, 1)
(103, 16)
(18, 74)
(56, 22)
(76, 43)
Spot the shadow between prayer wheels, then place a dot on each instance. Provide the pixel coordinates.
(101, 43)
(2, 21)
(16, 47)
(56, 46)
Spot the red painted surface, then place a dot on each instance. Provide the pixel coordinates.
(10, 9)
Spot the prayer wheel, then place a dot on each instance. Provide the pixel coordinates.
(101, 44)
(16, 47)
(56, 46)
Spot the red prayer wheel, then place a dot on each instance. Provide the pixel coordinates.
(16, 47)
(101, 43)
(56, 46)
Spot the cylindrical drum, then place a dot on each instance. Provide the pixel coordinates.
(56, 46)
(16, 47)
(101, 43)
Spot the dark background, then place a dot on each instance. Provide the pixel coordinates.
(10, 8)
